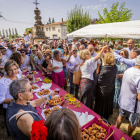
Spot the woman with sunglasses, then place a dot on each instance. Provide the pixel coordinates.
(121, 68)
(46, 66)
(21, 112)
(26, 59)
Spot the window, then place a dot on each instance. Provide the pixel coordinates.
(46, 29)
(49, 28)
(58, 30)
(54, 36)
(53, 28)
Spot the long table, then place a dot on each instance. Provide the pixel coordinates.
(117, 133)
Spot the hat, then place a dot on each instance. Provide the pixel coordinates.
(26, 45)
(92, 39)
(33, 48)
(24, 33)
(40, 43)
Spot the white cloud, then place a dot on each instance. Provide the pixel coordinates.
(102, 0)
(93, 7)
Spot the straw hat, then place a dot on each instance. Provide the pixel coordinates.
(33, 48)
(24, 33)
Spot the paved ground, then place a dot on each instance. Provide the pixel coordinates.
(112, 120)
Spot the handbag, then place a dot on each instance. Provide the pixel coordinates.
(77, 77)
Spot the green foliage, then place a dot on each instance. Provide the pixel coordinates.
(3, 33)
(13, 32)
(77, 19)
(6, 33)
(49, 21)
(16, 31)
(0, 33)
(115, 14)
(53, 21)
(10, 32)
(26, 30)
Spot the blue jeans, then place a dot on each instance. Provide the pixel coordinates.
(73, 87)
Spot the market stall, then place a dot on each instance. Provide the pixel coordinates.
(115, 133)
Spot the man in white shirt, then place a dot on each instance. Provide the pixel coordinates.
(129, 98)
(73, 65)
(9, 51)
(26, 38)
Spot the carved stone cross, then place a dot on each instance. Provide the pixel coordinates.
(36, 3)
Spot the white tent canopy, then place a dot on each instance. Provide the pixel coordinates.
(128, 29)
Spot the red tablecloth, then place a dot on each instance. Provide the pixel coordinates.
(117, 133)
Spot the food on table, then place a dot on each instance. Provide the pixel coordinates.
(47, 80)
(37, 79)
(33, 72)
(44, 92)
(56, 101)
(95, 132)
(48, 111)
(34, 87)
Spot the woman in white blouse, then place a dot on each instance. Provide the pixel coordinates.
(58, 74)
(11, 68)
(87, 69)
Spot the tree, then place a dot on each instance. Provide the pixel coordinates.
(6, 33)
(77, 19)
(13, 32)
(115, 14)
(0, 33)
(49, 21)
(94, 21)
(10, 32)
(16, 33)
(3, 33)
(53, 21)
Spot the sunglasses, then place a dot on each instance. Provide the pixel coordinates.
(121, 54)
(22, 52)
(4, 51)
(14, 48)
(74, 50)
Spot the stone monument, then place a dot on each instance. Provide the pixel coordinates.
(38, 30)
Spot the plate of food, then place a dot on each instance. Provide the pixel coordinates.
(48, 111)
(38, 79)
(56, 101)
(36, 88)
(43, 93)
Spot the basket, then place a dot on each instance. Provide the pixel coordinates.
(101, 122)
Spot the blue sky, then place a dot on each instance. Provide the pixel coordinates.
(23, 10)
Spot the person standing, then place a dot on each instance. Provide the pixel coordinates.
(129, 99)
(106, 87)
(87, 69)
(121, 68)
(26, 38)
(73, 65)
(31, 37)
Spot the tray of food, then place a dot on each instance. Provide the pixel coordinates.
(33, 72)
(48, 111)
(96, 129)
(56, 101)
(36, 88)
(43, 93)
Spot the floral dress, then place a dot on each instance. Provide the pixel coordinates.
(26, 60)
(121, 68)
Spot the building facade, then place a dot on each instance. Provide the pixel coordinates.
(57, 30)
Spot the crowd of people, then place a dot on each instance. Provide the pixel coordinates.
(110, 79)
